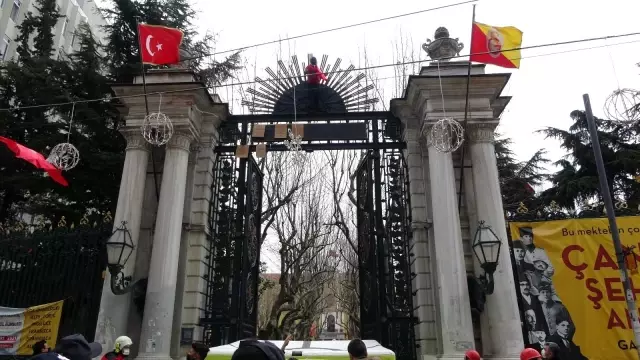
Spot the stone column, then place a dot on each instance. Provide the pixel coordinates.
(421, 265)
(157, 322)
(454, 309)
(502, 318)
(114, 309)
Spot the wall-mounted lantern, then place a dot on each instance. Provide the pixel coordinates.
(486, 247)
(119, 249)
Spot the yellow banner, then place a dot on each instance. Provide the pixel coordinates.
(570, 286)
(20, 328)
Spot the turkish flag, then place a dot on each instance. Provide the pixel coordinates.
(159, 45)
(36, 159)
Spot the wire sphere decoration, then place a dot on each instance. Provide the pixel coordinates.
(64, 156)
(446, 135)
(623, 106)
(157, 129)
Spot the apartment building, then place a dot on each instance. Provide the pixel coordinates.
(74, 12)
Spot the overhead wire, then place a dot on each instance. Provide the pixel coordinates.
(332, 29)
(108, 98)
(376, 79)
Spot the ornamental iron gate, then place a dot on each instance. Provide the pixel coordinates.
(384, 238)
(234, 251)
(328, 116)
(383, 223)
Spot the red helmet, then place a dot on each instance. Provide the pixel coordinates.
(472, 355)
(530, 354)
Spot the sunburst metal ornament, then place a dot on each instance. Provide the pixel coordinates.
(344, 91)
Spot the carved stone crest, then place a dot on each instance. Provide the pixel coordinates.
(442, 48)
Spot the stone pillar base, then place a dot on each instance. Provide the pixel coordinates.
(451, 357)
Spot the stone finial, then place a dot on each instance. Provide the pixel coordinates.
(443, 47)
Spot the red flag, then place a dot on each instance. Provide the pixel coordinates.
(159, 45)
(36, 159)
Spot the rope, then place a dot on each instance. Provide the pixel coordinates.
(73, 111)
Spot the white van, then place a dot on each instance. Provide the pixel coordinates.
(310, 350)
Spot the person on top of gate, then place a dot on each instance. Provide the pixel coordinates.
(314, 76)
(121, 349)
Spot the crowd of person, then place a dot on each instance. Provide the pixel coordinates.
(76, 347)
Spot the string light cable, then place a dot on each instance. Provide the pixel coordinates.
(109, 98)
(195, 107)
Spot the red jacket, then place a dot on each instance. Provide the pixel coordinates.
(113, 356)
(314, 74)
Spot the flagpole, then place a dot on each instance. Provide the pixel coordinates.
(466, 113)
(144, 78)
(146, 104)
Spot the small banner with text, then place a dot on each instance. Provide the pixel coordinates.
(570, 287)
(21, 328)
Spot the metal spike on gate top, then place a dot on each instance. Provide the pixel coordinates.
(84, 220)
(107, 217)
(62, 222)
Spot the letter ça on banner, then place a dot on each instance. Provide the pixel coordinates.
(562, 263)
(20, 328)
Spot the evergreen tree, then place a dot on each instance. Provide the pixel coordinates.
(123, 48)
(36, 78)
(576, 182)
(517, 178)
(95, 181)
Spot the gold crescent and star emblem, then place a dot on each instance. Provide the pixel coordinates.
(148, 45)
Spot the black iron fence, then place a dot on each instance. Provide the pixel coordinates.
(44, 263)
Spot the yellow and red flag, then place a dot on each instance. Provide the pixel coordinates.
(498, 46)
